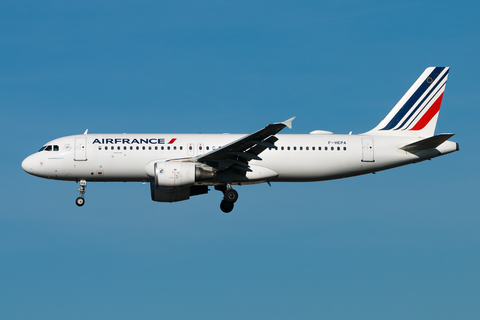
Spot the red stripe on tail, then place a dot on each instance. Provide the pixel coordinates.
(429, 114)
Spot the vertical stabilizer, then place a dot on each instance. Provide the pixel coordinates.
(417, 111)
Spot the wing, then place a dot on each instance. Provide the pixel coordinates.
(237, 154)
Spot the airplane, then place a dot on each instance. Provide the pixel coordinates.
(179, 166)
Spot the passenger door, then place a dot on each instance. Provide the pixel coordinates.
(80, 149)
(367, 150)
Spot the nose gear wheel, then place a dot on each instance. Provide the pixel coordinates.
(80, 201)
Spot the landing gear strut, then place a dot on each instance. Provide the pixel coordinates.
(80, 201)
(230, 196)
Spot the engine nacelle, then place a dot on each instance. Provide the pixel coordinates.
(176, 174)
(174, 195)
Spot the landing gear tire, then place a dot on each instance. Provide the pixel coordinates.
(231, 196)
(226, 206)
(80, 201)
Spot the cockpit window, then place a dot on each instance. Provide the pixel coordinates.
(49, 148)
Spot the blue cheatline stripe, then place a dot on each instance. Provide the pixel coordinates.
(415, 96)
(425, 98)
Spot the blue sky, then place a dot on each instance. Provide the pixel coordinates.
(400, 244)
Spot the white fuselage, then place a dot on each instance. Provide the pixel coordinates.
(296, 157)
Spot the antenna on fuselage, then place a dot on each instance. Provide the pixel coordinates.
(86, 131)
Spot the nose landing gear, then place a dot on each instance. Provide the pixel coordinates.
(230, 196)
(80, 201)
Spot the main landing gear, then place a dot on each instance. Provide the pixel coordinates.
(230, 196)
(80, 201)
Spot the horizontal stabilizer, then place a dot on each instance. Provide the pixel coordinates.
(429, 143)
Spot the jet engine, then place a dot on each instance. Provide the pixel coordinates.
(176, 174)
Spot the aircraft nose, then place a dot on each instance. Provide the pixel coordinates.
(27, 164)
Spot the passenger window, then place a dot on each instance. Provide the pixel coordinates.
(149, 148)
(190, 148)
(344, 148)
(294, 148)
(143, 148)
(208, 148)
(174, 147)
(288, 148)
(124, 147)
(313, 148)
(338, 148)
(118, 148)
(113, 148)
(282, 148)
(156, 147)
(181, 147)
(301, 148)
(332, 148)
(131, 148)
(162, 147)
(168, 148)
(306, 148)
(138, 148)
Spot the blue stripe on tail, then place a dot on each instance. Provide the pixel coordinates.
(413, 99)
(429, 96)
